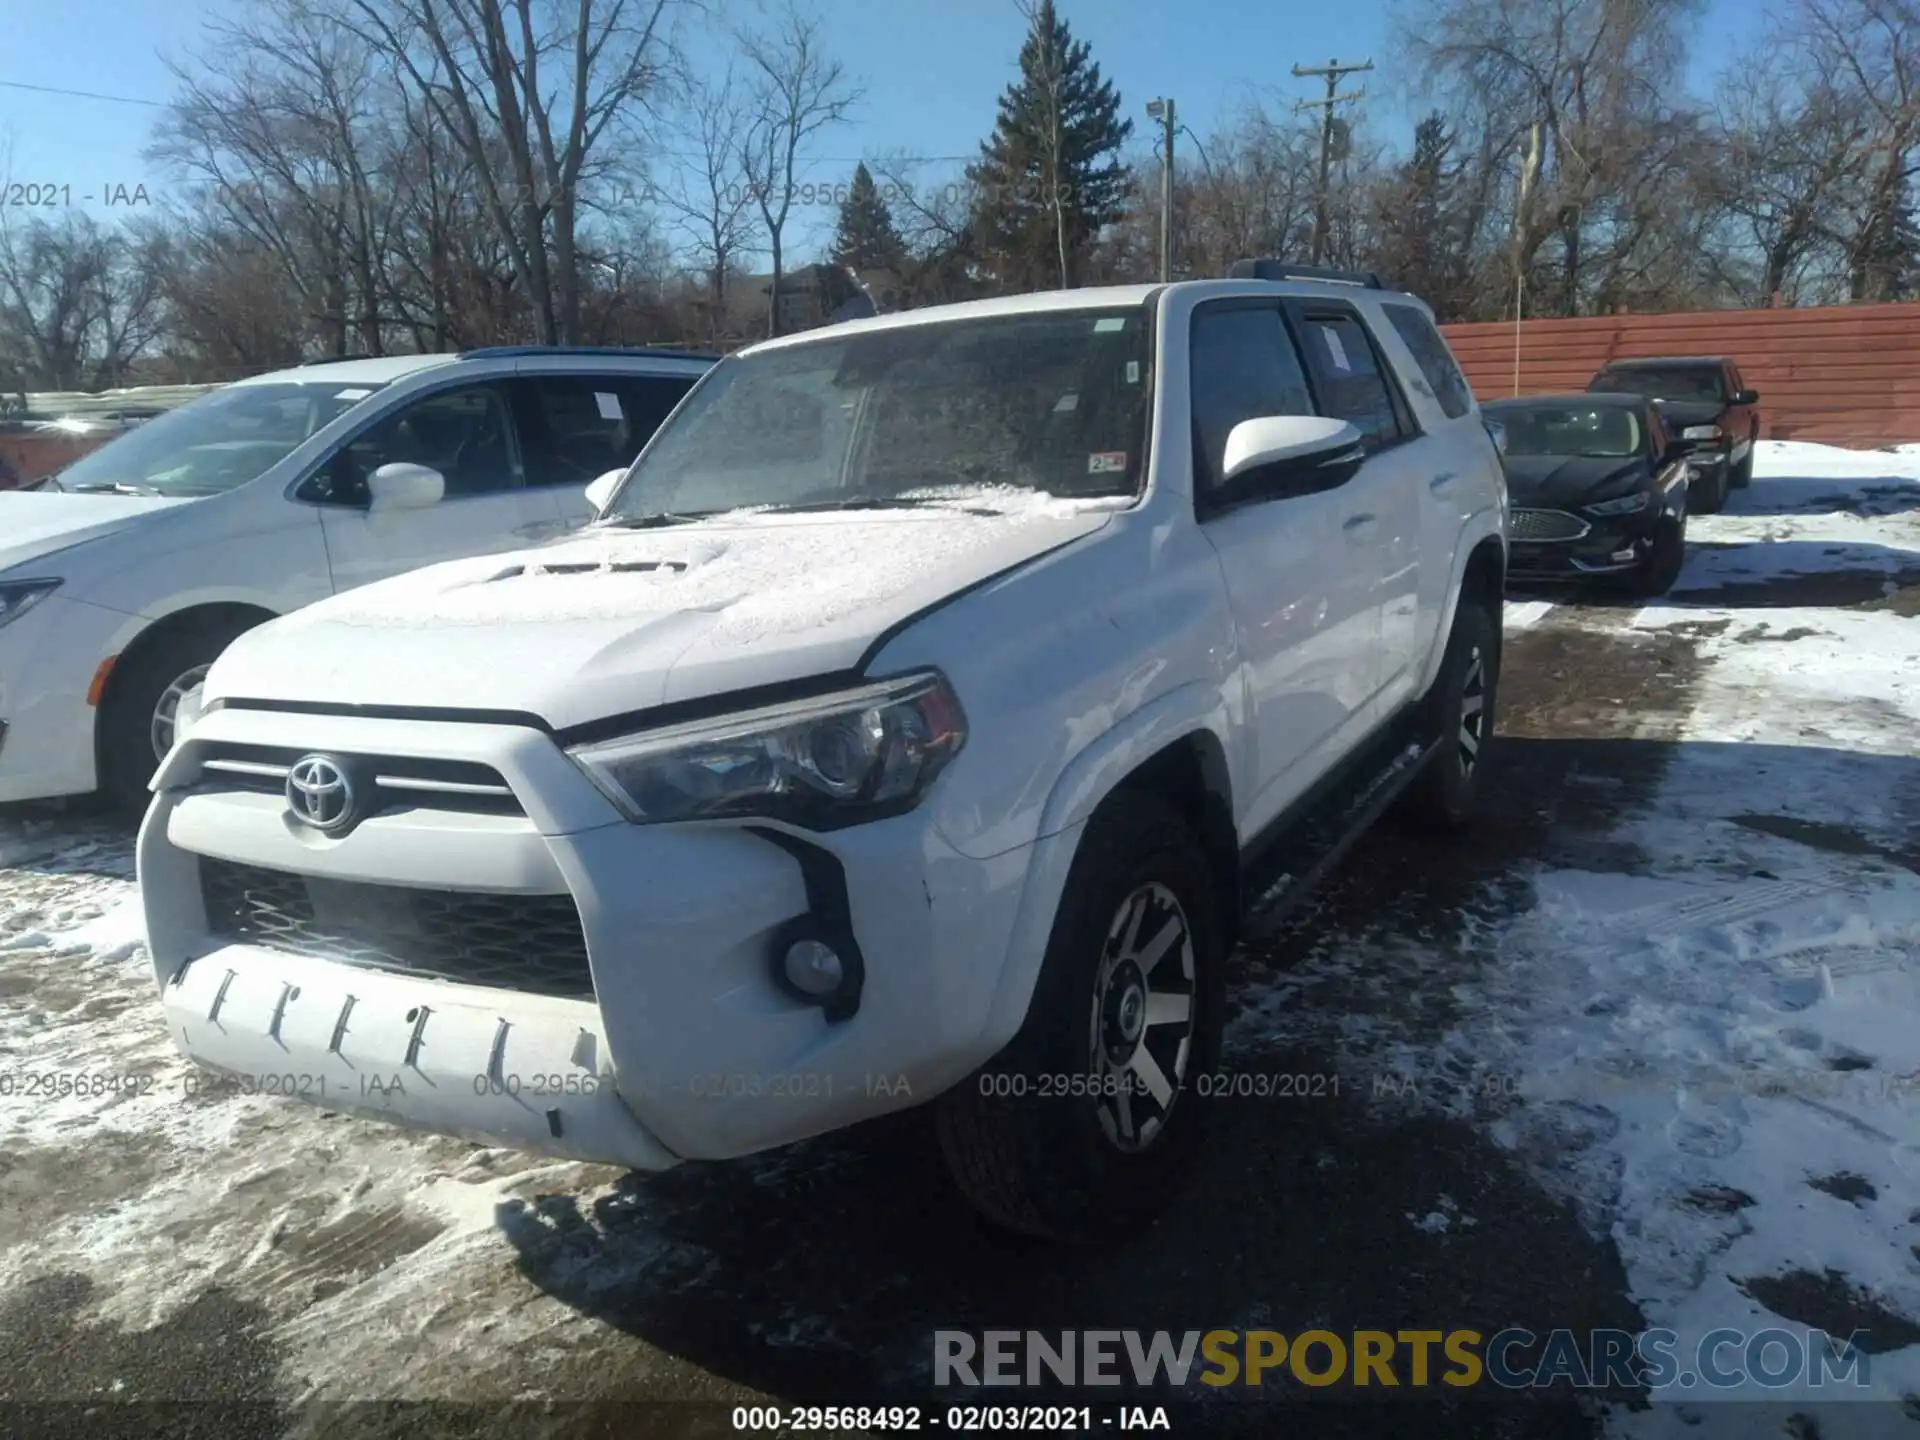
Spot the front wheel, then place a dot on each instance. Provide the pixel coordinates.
(140, 719)
(1743, 472)
(1707, 494)
(1656, 575)
(1083, 1127)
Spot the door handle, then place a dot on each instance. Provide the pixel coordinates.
(1442, 483)
(1359, 527)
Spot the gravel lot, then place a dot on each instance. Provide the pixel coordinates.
(1644, 1050)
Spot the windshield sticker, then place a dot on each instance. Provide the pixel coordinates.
(1107, 462)
(1110, 324)
(1066, 402)
(609, 405)
(1133, 372)
(353, 394)
(1337, 350)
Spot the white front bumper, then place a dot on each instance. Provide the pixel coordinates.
(687, 1047)
(47, 660)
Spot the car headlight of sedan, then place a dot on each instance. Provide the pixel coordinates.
(1624, 505)
(19, 596)
(820, 763)
(1702, 432)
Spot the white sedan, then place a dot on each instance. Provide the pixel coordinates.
(123, 577)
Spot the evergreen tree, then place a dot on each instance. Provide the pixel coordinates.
(1419, 244)
(1049, 178)
(867, 239)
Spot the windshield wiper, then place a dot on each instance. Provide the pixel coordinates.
(883, 502)
(118, 487)
(657, 519)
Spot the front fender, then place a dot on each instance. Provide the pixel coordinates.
(1480, 526)
(1089, 778)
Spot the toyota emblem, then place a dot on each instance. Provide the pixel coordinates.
(320, 794)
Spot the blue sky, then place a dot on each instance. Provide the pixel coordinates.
(931, 71)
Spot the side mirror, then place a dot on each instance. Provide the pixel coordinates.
(1276, 455)
(1746, 397)
(601, 490)
(404, 486)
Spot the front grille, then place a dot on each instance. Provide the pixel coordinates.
(1546, 525)
(513, 942)
(400, 781)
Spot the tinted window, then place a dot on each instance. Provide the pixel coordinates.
(575, 428)
(1349, 378)
(1434, 359)
(1569, 430)
(464, 434)
(1667, 382)
(1244, 366)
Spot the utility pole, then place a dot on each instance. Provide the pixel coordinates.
(1334, 71)
(1162, 110)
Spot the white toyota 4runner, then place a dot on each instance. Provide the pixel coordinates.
(930, 708)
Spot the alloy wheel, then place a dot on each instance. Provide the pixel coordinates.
(1143, 1004)
(1473, 711)
(166, 713)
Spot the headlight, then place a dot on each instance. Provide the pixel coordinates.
(19, 596)
(1625, 505)
(835, 760)
(1702, 432)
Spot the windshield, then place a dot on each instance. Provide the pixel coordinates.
(215, 443)
(1598, 431)
(962, 412)
(1679, 382)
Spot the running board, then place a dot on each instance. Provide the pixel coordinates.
(1281, 873)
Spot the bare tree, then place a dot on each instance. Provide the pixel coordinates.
(1872, 49)
(530, 89)
(79, 301)
(798, 91)
(711, 200)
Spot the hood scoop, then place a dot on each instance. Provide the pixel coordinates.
(612, 564)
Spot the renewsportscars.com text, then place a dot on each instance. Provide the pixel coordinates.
(1511, 1359)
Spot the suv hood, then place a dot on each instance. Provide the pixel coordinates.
(612, 622)
(34, 523)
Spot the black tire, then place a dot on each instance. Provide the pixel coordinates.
(127, 720)
(1051, 1164)
(1656, 574)
(1461, 714)
(1742, 475)
(1709, 496)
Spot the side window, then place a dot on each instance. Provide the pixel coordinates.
(1243, 365)
(1349, 376)
(575, 428)
(1436, 362)
(465, 434)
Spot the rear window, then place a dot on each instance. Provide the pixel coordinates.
(1435, 360)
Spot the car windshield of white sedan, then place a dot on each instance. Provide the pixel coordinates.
(975, 414)
(1597, 431)
(213, 444)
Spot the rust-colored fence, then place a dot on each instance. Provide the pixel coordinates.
(1842, 374)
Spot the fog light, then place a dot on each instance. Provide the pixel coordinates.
(814, 968)
(1626, 554)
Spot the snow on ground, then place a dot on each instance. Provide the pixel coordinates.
(1718, 1060)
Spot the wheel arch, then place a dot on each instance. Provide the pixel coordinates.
(1482, 579)
(179, 622)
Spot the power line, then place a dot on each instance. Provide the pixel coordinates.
(82, 94)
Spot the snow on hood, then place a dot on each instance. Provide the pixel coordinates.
(38, 522)
(614, 621)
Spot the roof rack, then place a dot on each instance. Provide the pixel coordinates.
(634, 352)
(1271, 269)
